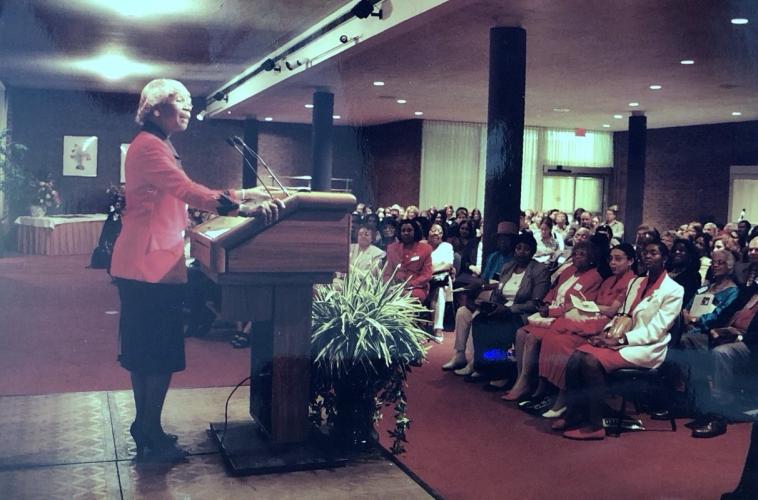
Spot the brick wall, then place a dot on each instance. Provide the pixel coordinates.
(687, 170)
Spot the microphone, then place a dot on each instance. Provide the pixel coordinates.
(237, 140)
(233, 144)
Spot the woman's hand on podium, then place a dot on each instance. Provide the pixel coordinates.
(268, 210)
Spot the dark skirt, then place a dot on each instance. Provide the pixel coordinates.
(151, 337)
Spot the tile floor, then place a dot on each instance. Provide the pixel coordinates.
(77, 446)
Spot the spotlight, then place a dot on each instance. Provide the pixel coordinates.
(270, 65)
(201, 115)
(365, 9)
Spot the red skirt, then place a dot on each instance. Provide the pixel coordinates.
(610, 359)
(554, 355)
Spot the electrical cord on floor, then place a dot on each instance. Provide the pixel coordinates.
(226, 409)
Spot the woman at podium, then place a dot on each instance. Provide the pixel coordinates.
(148, 258)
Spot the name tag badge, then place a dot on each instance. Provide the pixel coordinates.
(415, 258)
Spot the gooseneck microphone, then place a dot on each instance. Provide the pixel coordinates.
(238, 141)
(232, 143)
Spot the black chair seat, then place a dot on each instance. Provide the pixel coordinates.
(630, 383)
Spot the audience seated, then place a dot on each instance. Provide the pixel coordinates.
(549, 244)
(364, 257)
(654, 304)
(522, 285)
(572, 331)
(410, 260)
(441, 284)
(564, 343)
(582, 281)
(684, 267)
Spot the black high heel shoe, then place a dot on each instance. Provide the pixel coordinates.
(161, 448)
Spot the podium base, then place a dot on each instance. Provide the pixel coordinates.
(247, 452)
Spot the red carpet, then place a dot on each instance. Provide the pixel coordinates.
(56, 335)
(58, 332)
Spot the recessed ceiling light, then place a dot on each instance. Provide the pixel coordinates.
(561, 110)
(633, 104)
(739, 20)
(418, 113)
(606, 125)
(309, 106)
(336, 117)
(618, 117)
(655, 86)
(378, 84)
(113, 64)
(268, 119)
(228, 112)
(401, 101)
(687, 62)
(736, 113)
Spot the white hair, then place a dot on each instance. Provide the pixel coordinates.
(730, 260)
(158, 92)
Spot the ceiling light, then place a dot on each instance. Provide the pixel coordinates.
(736, 113)
(336, 117)
(686, 62)
(418, 113)
(633, 104)
(401, 101)
(618, 117)
(655, 86)
(739, 20)
(228, 112)
(268, 119)
(112, 64)
(201, 115)
(309, 106)
(378, 84)
(561, 110)
(606, 125)
(149, 9)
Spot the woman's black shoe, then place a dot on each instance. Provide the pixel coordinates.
(538, 406)
(241, 341)
(714, 427)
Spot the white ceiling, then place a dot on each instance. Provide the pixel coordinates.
(590, 56)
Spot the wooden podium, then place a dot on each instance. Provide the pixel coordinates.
(266, 275)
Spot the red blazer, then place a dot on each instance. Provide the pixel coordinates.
(415, 263)
(586, 287)
(150, 247)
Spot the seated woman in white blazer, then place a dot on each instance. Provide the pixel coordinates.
(654, 302)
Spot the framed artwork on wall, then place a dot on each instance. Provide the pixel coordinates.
(124, 149)
(80, 155)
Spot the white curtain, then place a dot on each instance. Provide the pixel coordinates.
(452, 164)
(564, 147)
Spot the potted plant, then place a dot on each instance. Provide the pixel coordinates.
(366, 336)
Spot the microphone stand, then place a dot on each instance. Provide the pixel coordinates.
(237, 140)
(233, 144)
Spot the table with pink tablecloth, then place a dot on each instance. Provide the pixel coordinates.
(59, 234)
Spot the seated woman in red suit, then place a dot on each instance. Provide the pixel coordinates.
(148, 258)
(654, 303)
(581, 280)
(572, 331)
(410, 259)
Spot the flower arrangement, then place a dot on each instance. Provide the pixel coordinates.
(116, 199)
(46, 195)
